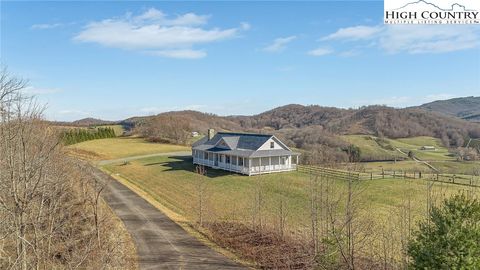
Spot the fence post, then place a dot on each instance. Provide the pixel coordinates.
(371, 175)
(394, 175)
(383, 174)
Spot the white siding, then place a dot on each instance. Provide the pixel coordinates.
(266, 146)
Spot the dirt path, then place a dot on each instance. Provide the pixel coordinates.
(160, 242)
(419, 161)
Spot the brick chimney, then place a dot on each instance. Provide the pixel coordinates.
(211, 133)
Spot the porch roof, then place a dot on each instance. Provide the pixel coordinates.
(250, 153)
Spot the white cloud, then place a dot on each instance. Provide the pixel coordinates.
(429, 38)
(349, 53)
(154, 31)
(354, 33)
(44, 26)
(320, 52)
(245, 26)
(412, 39)
(180, 54)
(279, 44)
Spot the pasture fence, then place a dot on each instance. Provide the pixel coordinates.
(456, 179)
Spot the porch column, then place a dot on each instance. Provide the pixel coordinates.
(297, 161)
(260, 162)
(269, 163)
(249, 165)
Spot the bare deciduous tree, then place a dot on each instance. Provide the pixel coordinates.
(50, 214)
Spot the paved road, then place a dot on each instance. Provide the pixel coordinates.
(160, 242)
(119, 160)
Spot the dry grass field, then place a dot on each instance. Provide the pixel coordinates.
(231, 197)
(172, 182)
(122, 147)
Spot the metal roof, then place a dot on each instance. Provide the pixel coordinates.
(240, 144)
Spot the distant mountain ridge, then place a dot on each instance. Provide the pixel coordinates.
(445, 120)
(467, 108)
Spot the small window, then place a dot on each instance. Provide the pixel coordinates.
(227, 159)
(240, 161)
(272, 145)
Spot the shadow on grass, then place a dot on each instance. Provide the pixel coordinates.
(185, 163)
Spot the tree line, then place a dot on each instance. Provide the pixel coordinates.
(51, 212)
(79, 135)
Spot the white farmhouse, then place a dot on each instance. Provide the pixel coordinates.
(243, 153)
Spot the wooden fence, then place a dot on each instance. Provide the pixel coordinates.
(338, 174)
(464, 180)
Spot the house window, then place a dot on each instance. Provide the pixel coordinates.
(227, 159)
(283, 160)
(205, 155)
(240, 161)
(272, 145)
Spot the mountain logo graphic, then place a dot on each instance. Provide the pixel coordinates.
(432, 12)
(452, 7)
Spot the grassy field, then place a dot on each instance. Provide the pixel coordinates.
(370, 149)
(122, 147)
(440, 153)
(172, 182)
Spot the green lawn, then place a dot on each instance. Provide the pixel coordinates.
(414, 144)
(123, 147)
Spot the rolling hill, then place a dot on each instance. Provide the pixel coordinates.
(467, 108)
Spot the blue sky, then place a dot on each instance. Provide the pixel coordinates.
(113, 60)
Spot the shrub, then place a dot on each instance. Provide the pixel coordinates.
(450, 238)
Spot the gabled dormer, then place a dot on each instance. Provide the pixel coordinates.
(223, 144)
(274, 144)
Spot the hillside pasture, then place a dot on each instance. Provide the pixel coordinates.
(371, 150)
(123, 147)
(414, 144)
(230, 197)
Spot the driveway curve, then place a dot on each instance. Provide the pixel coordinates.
(160, 242)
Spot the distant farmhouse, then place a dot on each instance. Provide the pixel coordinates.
(243, 153)
(428, 148)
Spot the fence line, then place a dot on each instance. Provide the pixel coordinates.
(464, 180)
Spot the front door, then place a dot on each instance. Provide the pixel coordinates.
(216, 159)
